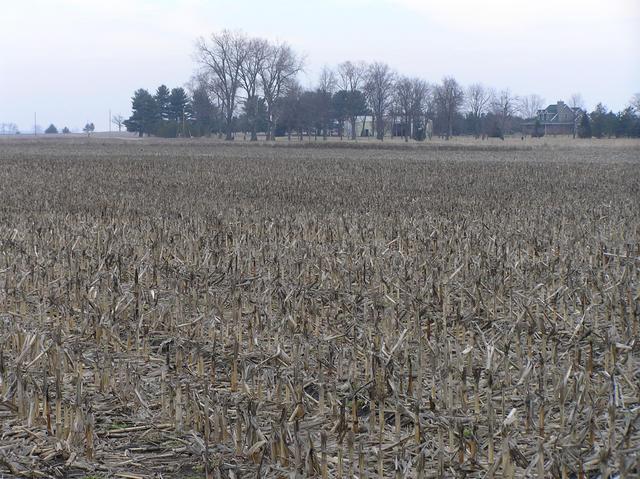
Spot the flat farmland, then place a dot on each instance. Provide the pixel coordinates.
(202, 309)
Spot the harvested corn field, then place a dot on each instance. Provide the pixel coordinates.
(200, 309)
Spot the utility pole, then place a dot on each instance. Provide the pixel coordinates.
(35, 128)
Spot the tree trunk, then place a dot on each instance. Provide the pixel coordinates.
(380, 128)
(254, 133)
(229, 133)
(269, 123)
(406, 130)
(353, 127)
(254, 115)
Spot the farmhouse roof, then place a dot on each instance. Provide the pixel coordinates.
(551, 115)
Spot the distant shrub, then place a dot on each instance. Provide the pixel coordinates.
(167, 129)
(538, 131)
(584, 129)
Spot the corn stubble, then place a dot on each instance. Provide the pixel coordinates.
(201, 310)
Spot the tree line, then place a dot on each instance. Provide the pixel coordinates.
(250, 85)
(601, 123)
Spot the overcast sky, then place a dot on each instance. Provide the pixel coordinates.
(73, 60)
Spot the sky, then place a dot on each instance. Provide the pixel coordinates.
(73, 61)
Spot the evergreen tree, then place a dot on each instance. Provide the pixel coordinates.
(598, 120)
(66, 130)
(204, 113)
(584, 129)
(610, 124)
(144, 117)
(309, 112)
(625, 123)
(51, 129)
(538, 132)
(179, 105)
(254, 117)
(356, 106)
(290, 112)
(163, 99)
(323, 108)
(349, 105)
(340, 108)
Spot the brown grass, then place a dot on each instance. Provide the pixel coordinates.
(196, 309)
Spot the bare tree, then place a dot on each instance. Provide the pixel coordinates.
(118, 120)
(8, 129)
(257, 51)
(420, 102)
(635, 102)
(410, 98)
(529, 105)
(291, 110)
(430, 104)
(351, 75)
(477, 102)
(403, 94)
(279, 71)
(351, 78)
(327, 85)
(503, 106)
(576, 101)
(450, 97)
(327, 81)
(379, 91)
(221, 59)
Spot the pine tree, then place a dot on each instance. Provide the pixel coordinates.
(162, 97)
(584, 129)
(205, 114)
(51, 129)
(598, 120)
(179, 105)
(144, 117)
(538, 131)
